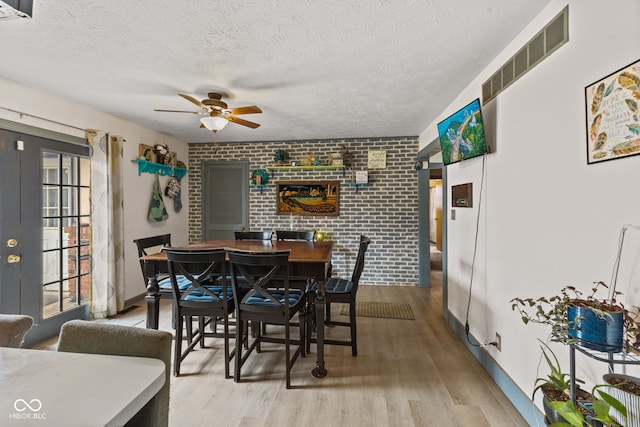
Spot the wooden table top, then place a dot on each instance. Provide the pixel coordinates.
(300, 251)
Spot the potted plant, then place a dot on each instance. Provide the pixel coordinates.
(555, 387)
(626, 389)
(594, 322)
(596, 413)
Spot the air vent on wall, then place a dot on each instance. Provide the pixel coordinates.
(15, 9)
(543, 44)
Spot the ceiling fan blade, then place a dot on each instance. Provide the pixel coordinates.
(242, 122)
(180, 111)
(246, 110)
(194, 101)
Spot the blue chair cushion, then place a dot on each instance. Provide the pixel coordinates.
(198, 295)
(183, 283)
(295, 296)
(334, 285)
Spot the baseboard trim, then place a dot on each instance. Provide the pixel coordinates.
(517, 397)
(132, 301)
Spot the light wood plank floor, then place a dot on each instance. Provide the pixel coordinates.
(407, 373)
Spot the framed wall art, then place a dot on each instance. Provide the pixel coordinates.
(311, 198)
(612, 109)
(146, 152)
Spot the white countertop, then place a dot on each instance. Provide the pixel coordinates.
(49, 388)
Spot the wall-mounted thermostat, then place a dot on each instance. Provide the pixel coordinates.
(462, 195)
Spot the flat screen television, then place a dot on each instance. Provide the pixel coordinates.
(462, 134)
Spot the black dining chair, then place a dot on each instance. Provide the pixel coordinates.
(253, 235)
(164, 283)
(307, 235)
(157, 243)
(344, 291)
(258, 299)
(209, 298)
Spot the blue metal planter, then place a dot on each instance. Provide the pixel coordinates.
(595, 332)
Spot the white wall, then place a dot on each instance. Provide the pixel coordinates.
(137, 191)
(547, 218)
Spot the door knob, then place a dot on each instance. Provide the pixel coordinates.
(12, 243)
(12, 259)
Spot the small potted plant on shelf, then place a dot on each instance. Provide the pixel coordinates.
(601, 324)
(555, 387)
(281, 157)
(626, 389)
(595, 413)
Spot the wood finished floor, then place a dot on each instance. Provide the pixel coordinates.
(407, 373)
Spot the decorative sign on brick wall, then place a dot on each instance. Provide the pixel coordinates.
(377, 159)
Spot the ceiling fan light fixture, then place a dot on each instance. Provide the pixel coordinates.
(214, 123)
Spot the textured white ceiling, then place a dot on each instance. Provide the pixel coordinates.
(317, 68)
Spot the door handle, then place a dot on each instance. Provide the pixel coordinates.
(13, 259)
(12, 243)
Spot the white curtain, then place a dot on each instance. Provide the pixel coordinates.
(107, 297)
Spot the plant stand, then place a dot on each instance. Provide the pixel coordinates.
(611, 358)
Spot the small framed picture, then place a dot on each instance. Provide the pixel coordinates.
(171, 159)
(146, 152)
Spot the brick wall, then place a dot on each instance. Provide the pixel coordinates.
(386, 210)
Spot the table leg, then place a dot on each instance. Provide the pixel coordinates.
(153, 303)
(319, 371)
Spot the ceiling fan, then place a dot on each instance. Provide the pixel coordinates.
(217, 113)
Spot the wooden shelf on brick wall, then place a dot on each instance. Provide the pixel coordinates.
(272, 169)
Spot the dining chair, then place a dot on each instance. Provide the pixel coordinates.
(157, 243)
(307, 235)
(208, 298)
(337, 290)
(258, 299)
(253, 235)
(13, 329)
(81, 336)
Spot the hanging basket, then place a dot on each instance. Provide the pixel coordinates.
(596, 331)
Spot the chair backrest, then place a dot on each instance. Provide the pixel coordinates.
(357, 269)
(202, 269)
(163, 240)
(296, 235)
(259, 271)
(253, 235)
(81, 336)
(13, 328)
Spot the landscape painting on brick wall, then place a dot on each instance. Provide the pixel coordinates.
(462, 134)
(312, 198)
(613, 119)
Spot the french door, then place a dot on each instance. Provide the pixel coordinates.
(45, 231)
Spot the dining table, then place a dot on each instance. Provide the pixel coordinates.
(307, 259)
(51, 388)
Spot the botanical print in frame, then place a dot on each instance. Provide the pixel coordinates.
(146, 152)
(311, 198)
(612, 107)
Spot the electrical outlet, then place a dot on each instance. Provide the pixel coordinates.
(498, 342)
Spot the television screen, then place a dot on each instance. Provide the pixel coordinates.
(462, 134)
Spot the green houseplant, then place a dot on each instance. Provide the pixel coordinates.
(575, 318)
(555, 387)
(590, 409)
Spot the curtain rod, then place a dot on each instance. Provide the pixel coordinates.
(89, 131)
